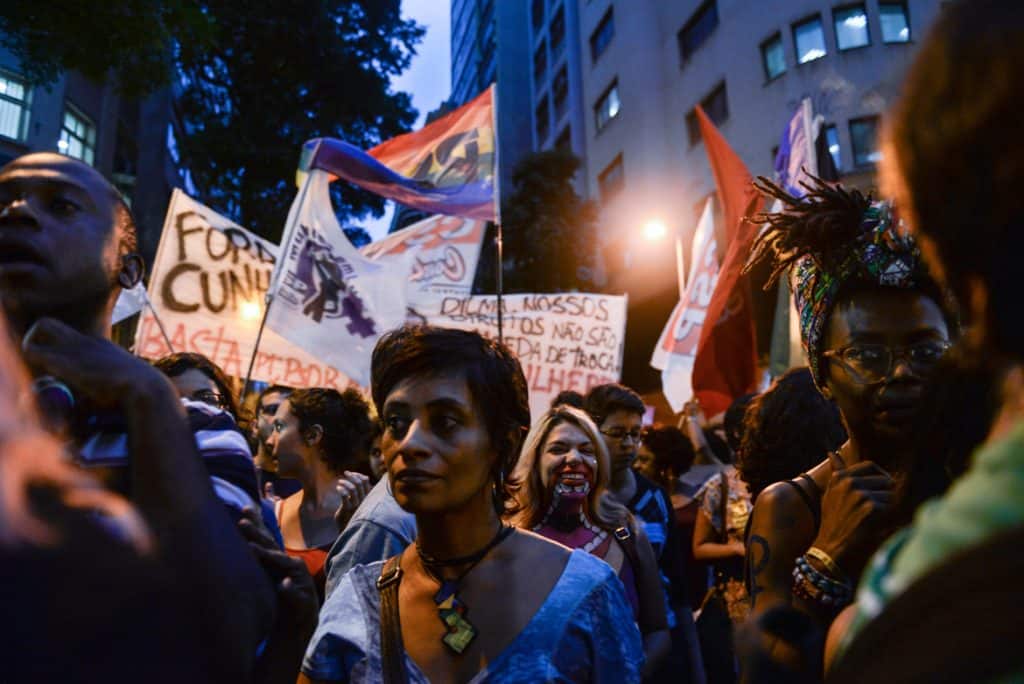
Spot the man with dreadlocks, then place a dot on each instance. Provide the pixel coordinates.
(874, 326)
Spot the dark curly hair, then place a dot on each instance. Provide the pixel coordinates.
(787, 430)
(673, 451)
(604, 400)
(492, 373)
(347, 422)
(179, 363)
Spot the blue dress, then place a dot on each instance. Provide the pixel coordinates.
(583, 632)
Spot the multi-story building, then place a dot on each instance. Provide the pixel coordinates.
(130, 141)
(648, 63)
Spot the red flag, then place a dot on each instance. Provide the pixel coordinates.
(726, 363)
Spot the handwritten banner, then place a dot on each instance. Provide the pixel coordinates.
(445, 251)
(207, 286)
(571, 341)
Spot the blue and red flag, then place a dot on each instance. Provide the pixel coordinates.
(447, 167)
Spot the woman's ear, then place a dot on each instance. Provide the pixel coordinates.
(314, 435)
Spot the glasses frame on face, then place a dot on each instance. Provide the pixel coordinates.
(620, 434)
(209, 396)
(871, 377)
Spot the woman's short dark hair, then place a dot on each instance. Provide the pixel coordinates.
(788, 429)
(347, 422)
(179, 363)
(604, 400)
(952, 155)
(671, 448)
(492, 373)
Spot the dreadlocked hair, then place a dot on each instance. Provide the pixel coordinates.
(822, 224)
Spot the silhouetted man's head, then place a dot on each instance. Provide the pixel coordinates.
(67, 243)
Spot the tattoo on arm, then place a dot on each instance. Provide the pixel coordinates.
(758, 555)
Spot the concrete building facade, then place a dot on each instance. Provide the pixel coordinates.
(130, 141)
(646, 65)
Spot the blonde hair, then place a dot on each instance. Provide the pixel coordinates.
(529, 509)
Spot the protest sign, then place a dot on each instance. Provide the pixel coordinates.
(570, 341)
(445, 251)
(207, 285)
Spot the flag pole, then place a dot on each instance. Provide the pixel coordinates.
(286, 238)
(498, 236)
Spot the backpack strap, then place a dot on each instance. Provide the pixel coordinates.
(957, 623)
(392, 652)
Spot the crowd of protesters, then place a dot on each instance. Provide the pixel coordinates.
(857, 521)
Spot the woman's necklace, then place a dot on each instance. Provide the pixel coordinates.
(459, 631)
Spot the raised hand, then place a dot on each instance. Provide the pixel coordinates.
(353, 488)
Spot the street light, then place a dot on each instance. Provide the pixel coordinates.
(250, 311)
(655, 230)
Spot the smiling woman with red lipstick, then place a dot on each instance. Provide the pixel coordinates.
(562, 493)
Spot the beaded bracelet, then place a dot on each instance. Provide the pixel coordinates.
(810, 584)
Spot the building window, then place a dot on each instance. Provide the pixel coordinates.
(612, 179)
(77, 136)
(564, 140)
(773, 57)
(715, 105)
(832, 140)
(557, 33)
(607, 107)
(895, 25)
(560, 92)
(602, 35)
(864, 137)
(699, 27)
(13, 107)
(543, 120)
(851, 24)
(537, 12)
(540, 65)
(809, 37)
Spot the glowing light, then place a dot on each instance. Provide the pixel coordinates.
(62, 145)
(655, 230)
(250, 311)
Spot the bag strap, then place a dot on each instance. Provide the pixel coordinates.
(392, 652)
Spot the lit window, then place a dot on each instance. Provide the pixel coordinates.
(543, 120)
(540, 65)
(774, 57)
(698, 28)
(557, 32)
(560, 92)
(810, 40)
(607, 108)
(895, 26)
(77, 136)
(864, 138)
(851, 27)
(13, 107)
(612, 179)
(602, 35)
(715, 105)
(832, 140)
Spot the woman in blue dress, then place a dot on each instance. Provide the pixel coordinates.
(472, 600)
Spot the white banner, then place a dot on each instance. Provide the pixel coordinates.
(677, 347)
(444, 250)
(207, 285)
(570, 341)
(328, 298)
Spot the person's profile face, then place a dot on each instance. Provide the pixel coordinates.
(287, 446)
(195, 385)
(436, 450)
(265, 410)
(58, 242)
(621, 432)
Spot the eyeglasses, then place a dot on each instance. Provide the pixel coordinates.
(621, 434)
(209, 397)
(873, 363)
